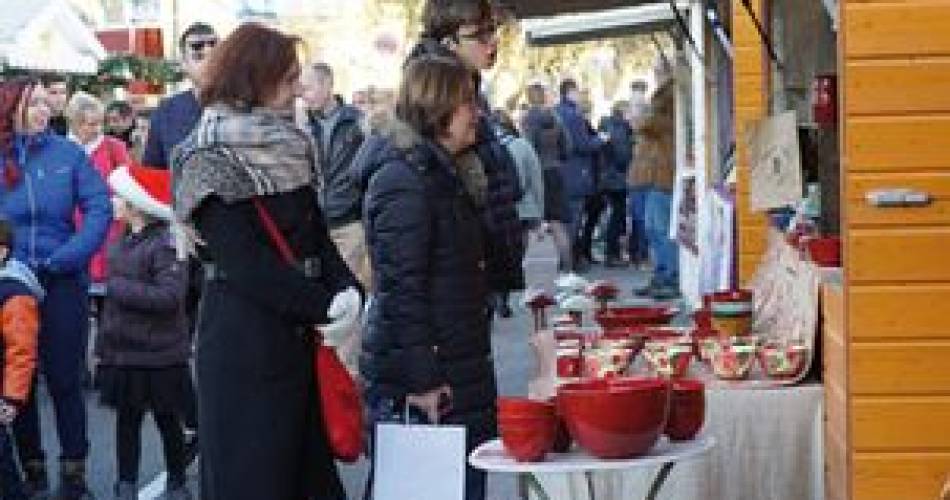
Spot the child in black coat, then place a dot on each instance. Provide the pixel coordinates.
(144, 345)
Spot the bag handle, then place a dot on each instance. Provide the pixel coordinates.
(276, 237)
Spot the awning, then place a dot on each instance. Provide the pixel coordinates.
(546, 8)
(61, 62)
(48, 36)
(570, 28)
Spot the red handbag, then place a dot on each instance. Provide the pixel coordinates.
(342, 406)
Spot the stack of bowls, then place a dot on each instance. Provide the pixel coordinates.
(731, 312)
(528, 428)
(615, 418)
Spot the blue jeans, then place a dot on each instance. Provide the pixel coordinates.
(11, 482)
(637, 244)
(63, 336)
(663, 250)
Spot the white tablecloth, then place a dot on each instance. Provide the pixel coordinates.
(768, 447)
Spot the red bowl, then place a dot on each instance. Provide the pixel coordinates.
(631, 317)
(527, 443)
(737, 295)
(703, 319)
(687, 410)
(826, 252)
(524, 407)
(616, 418)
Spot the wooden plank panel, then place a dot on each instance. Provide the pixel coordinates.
(900, 368)
(836, 411)
(748, 265)
(832, 308)
(892, 29)
(898, 143)
(753, 239)
(899, 86)
(898, 255)
(907, 476)
(936, 184)
(748, 61)
(899, 312)
(900, 423)
(836, 470)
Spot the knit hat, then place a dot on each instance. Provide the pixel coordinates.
(147, 189)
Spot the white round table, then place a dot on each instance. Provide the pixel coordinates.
(491, 457)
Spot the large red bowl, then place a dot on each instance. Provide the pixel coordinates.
(687, 410)
(615, 418)
(628, 317)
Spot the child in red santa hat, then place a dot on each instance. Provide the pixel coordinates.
(143, 345)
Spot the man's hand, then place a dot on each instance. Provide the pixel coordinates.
(434, 403)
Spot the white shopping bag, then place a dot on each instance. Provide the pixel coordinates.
(419, 462)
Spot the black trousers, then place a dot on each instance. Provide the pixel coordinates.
(129, 444)
(594, 206)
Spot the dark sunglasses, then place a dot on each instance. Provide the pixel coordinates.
(485, 34)
(200, 45)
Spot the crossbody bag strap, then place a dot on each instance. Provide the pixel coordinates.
(276, 237)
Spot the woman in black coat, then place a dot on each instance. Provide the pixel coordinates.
(261, 421)
(427, 339)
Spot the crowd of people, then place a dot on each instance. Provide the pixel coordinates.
(392, 229)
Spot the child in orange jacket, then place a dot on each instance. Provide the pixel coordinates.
(20, 294)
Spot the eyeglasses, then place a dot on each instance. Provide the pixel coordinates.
(486, 34)
(200, 45)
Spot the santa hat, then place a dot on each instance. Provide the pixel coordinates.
(146, 189)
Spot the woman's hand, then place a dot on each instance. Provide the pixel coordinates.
(434, 403)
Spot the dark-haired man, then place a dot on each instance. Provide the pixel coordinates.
(176, 116)
(57, 96)
(580, 173)
(170, 123)
(120, 122)
(468, 30)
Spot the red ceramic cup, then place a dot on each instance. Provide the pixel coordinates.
(687, 410)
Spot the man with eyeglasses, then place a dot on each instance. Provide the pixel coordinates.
(176, 116)
(170, 123)
(468, 31)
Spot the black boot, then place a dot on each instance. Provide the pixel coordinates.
(72, 481)
(36, 482)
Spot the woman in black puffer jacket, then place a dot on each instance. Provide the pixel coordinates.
(427, 342)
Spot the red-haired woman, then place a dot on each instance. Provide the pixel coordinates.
(45, 180)
(262, 432)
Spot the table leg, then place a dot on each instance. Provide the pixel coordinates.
(660, 479)
(527, 482)
(591, 492)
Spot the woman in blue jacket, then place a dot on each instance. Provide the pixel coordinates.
(44, 181)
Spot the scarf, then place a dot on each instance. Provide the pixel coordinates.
(236, 155)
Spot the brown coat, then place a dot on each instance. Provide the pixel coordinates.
(655, 157)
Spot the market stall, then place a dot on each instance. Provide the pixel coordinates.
(46, 36)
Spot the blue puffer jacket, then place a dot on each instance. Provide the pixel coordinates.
(56, 179)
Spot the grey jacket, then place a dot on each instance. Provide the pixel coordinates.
(339, 193)
(531, 175)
